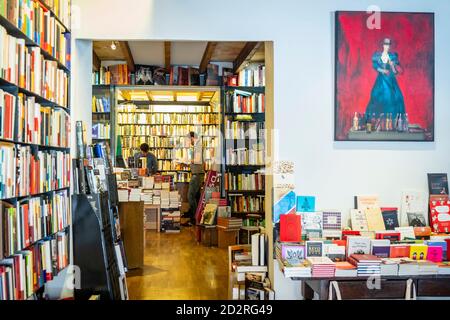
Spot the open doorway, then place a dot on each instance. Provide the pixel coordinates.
(153, 103)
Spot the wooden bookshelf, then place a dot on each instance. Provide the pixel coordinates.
(103, 121)
(23, 246)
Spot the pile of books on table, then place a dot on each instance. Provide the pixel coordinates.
(321, 267)
(345, 269)
(300, 270)
(229, 223)
(135, 194)
(366, 264)
(123, 195)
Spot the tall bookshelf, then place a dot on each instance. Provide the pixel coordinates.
(103, 98)
(34, 146)
(243, 164)
(163, 118)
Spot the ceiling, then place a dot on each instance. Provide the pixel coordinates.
(186, 53)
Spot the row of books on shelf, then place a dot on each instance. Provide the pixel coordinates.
(61, 8)
(37, 23)
(245, 156)
(167, 130)
(25, 170)
(239, 101)
(244, 130)
(26, 67)
(244, 181)
(25, 272)
(166, 142)
(31, 122)
(175, 108)
(101, 104)
(30, 220)
(146, 118)
(101, 130)
(246, 204)
(253, 76)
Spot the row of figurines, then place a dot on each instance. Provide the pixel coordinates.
(383, 122)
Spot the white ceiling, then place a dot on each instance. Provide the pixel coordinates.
(182, 52)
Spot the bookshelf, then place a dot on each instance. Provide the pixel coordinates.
(103, 113)
(243, 164)
(163, 116)
(35, 213)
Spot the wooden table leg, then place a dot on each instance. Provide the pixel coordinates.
(307, 292)
(324, 288)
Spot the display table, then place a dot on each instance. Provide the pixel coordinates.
(209, 235)
(131, 216)
(391, 287)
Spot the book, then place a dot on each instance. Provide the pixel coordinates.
(407, 233)
(314, 249)
(209, 214)
(336, 253)
(292, 253)
(435, 253)
(247, 182)
(212, 75)
(363, 202)
(437, 183)
(389, 235)
(306, 204)
(290, 228)
(332, 224)
(380, 247)
(358, 220)
(418, 252)
(284, 203)
(390, 218)
(413, 201)
(240, 101)
(374, 219)
(358, 245)
(416, 219)
(440, 213)
(399, 251)
(312, 224)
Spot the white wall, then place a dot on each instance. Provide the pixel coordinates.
(303, 35)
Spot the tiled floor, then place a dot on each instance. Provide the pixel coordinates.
(176, 267)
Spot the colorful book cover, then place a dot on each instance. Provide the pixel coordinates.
(418, 252)
(363, 202)
(290, 228)
(416, 219)
(374, 218)
(358, 245)
(399, 251)
(314, 249)
(284, 203)
(312, 224)
(332, 224)
(293, 254)
(412, 201)
(435, 253)
(440, 213)
(306, 204)
(390, 218)
(336, 253)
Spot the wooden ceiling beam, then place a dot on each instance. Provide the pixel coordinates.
(167, 47)
(245, 55)
(209, 50)
(127, 54)
(96, 63)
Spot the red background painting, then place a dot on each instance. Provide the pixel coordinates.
(412, 36)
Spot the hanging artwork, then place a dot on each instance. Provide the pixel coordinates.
(384, 76)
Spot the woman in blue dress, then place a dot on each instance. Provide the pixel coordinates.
(386, 97)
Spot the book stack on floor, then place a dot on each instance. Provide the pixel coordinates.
(367, 264)
(321, 267)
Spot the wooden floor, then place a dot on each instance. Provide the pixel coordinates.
(178, 268)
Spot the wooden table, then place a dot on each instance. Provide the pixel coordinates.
(132, 229)
(391, 287)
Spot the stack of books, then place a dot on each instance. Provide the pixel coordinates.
(428, 267)
(174, 199)
(300, 270)
(345, 269)
(367, 264)
(135, 195)
(165, 199)
(229, 223)
(444, 268)
(147, 196)
(123, 195)
(322, 267)
(389, 267)
(408, 267)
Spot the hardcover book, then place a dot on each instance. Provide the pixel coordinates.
(380, 248)
(435, 253)
(290, 228)
(412, 201)
(358, 245)
(418, 252)
(437, 183)
(407, 233)
(284, 203)
(314, 249)
(416, 219)
(306, 204)
(312, 224)
(358, 220)
(390, 218)
(363, 202)
(440, 213)
(336, 253)
(399, 251)
(374, 218)
(332, 224)
(293, 254)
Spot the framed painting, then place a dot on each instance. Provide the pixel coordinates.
(384, 76)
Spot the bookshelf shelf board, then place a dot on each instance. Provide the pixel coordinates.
(164, 103)
(165, 135)
(101, 113)
(53, 14)
(249, 89)
(34, 195)
(168, 112)
(247, 213)
(39, 146)
(103, 139)
(17, 33)
(101, 86)
(247, 191)
(168, 124)
(39, 99)
(245, 167)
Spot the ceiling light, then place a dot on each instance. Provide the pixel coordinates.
(113, 46)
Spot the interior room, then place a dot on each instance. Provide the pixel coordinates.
(182, 151)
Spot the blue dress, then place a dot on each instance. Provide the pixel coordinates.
(386, 96)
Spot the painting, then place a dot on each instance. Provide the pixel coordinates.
(384, 76)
